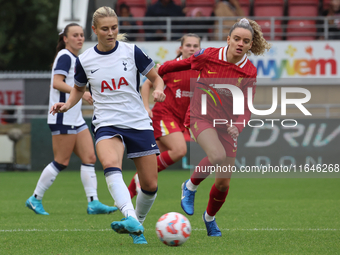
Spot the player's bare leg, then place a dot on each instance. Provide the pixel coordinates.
(88, 175)
(210, 143)
(177, 148)
(63, 146)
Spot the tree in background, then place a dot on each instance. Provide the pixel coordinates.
(28, 34)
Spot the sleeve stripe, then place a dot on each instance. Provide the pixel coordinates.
(148, 68)
(79, 84)
(62, 72)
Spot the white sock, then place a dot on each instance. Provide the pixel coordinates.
(89, 180)
(208, 218)
(45, 181)
(120, 194)
(143, 205)
(191, 186)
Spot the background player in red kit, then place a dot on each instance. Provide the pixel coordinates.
(168, 117)
(226, 65)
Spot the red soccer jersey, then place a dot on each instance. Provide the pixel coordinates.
(177, 93)
(214, 69)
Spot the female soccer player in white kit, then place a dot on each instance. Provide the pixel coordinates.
(112, 68)
(69, 130)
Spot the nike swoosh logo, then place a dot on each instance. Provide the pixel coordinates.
(209, 72)
(234, 150)
(177, 80)
(33, 207)
(182, 197)
(218, 200)
(93, 71)
(90, 209)
(153, 145)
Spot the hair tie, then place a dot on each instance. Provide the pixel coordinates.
(244, 20)
(62, 31)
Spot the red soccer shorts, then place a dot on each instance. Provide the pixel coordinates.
(166, 126)
(229, 144)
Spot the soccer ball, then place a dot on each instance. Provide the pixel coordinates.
(173, 229)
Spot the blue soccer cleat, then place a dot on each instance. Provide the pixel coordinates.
(128, 225)
(96, 207)
(212, 227)
(187, 200)
(138, 239)
(36, 205)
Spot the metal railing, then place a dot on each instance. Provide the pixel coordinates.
(274, 28)
(25, 75)
(23, 113)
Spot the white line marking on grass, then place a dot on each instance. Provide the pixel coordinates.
(194, 229)
(274, 229)
(53, 230)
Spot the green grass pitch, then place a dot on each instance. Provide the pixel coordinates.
(260, 216)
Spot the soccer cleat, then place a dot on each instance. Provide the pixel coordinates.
(96, 207)
(138, 188)
(138, 239)
(212, 228)
(36, 205)
(128, 225)
(187, 200)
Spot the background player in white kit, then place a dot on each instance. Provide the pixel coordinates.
(112, 68)
(69, 130)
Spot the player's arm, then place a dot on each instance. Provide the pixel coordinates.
(145, 66)
(59, 83)
(75, 95)
(61, 71)
(158, 85)
(145, 92)
(195, 62)
(174, 66)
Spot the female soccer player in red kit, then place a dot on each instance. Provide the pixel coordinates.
(217, 66)
(168, 117)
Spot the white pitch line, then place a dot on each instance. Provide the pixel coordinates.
(195, 229)
(54, 230)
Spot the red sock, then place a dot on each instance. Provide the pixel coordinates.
(132, 188)
(216, 200)
(198, 177)
(164, 160)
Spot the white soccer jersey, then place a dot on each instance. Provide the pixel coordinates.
(114, 78)
(64, 65)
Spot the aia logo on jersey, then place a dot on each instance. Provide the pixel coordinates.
(113, 86)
